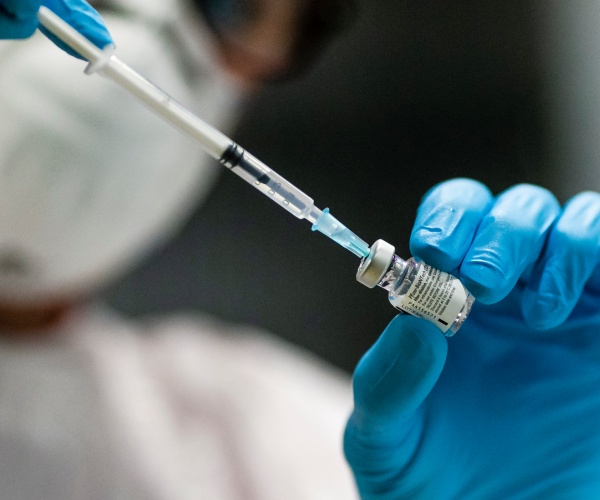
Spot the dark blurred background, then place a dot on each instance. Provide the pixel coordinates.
(412, 93)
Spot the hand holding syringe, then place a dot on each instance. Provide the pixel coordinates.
(380, 266)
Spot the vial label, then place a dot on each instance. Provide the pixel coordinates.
(433, 295)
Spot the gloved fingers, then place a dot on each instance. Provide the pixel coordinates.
(81, 16)
(17, 18)
(390, 383)
(511, 236)
(446, 222)
(571, 256)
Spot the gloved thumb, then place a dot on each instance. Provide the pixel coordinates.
(397, 373)
(390, 383)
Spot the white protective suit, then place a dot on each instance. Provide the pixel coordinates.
(103, 408)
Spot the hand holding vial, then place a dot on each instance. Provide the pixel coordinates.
(486, 414)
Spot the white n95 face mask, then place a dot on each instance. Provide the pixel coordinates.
(90, 179)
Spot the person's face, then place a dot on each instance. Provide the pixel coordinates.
(258, 41)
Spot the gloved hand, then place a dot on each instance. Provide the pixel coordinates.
(18, 20)
(515, 411)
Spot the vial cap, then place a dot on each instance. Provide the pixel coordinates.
(374, 266)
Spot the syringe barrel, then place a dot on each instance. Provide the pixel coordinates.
(212, 141)
(267, 181)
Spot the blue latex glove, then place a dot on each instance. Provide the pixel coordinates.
(515, 411)
(18, 20)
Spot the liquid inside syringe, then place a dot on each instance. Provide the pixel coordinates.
(269, 183)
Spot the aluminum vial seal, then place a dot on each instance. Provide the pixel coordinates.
(375, 265)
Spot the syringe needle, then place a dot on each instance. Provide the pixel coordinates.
(293, 200)
(334, 229)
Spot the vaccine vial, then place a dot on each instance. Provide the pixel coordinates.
(416, 288)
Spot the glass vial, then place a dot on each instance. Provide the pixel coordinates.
(416, 288)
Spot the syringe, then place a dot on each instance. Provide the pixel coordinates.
(214, 142)
(414, 287)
